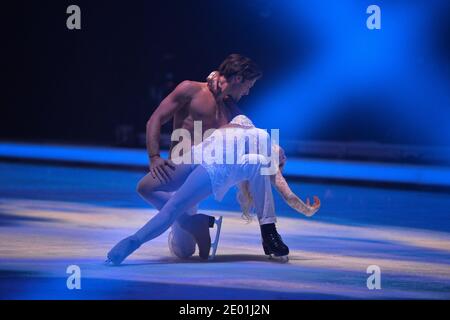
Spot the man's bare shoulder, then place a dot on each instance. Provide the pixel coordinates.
(191, 88)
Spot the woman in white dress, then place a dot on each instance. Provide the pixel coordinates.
(195, 182)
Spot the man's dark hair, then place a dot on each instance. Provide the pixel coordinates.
(239, 65)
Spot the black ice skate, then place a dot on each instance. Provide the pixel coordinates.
(272, 243)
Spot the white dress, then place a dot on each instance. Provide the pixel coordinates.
(248, 148)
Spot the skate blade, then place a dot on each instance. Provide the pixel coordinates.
(215, 244)
(282, 259)
(108, 262)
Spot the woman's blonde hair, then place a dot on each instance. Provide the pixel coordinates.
(245, 199)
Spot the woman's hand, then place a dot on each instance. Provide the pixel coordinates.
(312, 209)
(213, 83)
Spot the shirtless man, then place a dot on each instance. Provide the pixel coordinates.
(195, 101)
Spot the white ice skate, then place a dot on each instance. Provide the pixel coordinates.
(214, 245)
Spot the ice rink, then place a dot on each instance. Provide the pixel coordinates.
(52, 217)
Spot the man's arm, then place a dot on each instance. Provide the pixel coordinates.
(165, 111)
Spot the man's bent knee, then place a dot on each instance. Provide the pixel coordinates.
(144, 188)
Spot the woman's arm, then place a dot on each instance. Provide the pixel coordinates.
(291, 198)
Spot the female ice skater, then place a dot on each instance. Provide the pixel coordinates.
(195, 182)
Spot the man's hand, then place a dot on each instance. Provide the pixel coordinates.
(159, 168)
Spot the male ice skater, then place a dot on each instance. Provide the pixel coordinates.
(214, 107)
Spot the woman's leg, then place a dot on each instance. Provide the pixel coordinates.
(149, 186)
(181, 243)
(196, 188)
(157, 193)
(261, 191)
(259, 186)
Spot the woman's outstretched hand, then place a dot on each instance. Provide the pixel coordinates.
(292, 199)
(312, 209)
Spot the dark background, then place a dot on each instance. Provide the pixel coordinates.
(326, 76)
